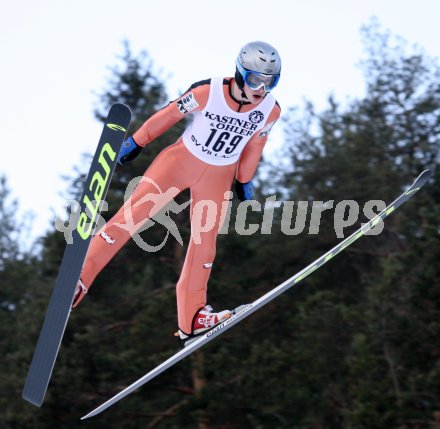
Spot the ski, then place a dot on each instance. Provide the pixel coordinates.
(57, 314)
(246, 310)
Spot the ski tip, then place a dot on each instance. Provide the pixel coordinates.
(420, 181)
(121, 107)
(423, 177)
(120, 114)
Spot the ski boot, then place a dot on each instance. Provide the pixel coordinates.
(204, 320)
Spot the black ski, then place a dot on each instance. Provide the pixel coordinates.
(246, 310)
(57, 314)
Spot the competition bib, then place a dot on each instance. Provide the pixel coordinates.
(218, 134)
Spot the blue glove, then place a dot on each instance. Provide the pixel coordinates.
(244, 191)
(129, 151)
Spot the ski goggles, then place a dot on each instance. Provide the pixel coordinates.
(256, 80)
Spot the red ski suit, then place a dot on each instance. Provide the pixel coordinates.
(224, 141)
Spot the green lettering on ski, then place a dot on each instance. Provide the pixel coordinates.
(92, 199)
(116, 127)
(323, 259)
(374, 222)
(411, 191)
(390, 210)
(350, 241)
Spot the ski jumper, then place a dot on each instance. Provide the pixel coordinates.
(224, 140)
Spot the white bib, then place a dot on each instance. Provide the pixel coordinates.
(217, 135)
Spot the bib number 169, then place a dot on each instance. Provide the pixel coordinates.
(219, 141)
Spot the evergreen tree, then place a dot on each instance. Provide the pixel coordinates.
(382, 375)
(353, 346)
(20, 285)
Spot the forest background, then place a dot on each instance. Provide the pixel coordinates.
(355, 345)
